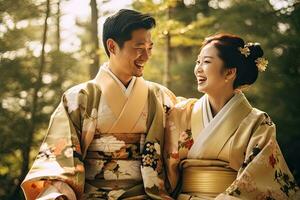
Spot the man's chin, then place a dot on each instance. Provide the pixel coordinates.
(139, 75)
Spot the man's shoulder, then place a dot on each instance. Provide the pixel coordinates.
(85, 88)
(156, 87)
(164, 95)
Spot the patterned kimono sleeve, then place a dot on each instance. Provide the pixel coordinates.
(178, 140)
(58, 168)
(160, 101)
(264, 173)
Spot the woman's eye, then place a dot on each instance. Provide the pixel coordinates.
(197, 62)
(206, 61)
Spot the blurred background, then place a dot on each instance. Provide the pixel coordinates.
(47, 46)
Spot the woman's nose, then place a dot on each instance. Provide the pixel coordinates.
(198, 68)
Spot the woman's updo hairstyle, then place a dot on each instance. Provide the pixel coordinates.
(230, 49)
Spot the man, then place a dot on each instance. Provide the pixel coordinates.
(104, 138)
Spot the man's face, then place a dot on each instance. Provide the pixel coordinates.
(131, 58)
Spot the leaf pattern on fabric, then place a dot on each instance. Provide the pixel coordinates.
(255, 152)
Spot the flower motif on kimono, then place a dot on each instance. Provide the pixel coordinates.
(60, 146)
(150, 156)
(243, 183)
(46, 152)
(186, 139)
(107, 144)
(72, 98)
(183, 136)
(111, 170)
(122, 169)
(267, 120)
(287, 184)
(174, 155)
(270, 195)
(150, 177)
(157, 148)
(115, 194)
(129, 170)
(172, 127)
(94, 167)
(272, 160)
(68, 152)
(89, 122)
(254, 153)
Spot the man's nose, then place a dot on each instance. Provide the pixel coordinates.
(146, 54)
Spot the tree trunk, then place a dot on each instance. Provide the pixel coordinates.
(166, 77)
(58, 26)
(95, 40)
(167, 80)
(31, 128)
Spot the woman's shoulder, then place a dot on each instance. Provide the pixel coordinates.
(258, 118)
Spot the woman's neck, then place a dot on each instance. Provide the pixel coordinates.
(218, 100)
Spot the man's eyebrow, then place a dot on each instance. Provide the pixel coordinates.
(143, 43)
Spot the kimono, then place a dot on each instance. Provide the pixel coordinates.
(104, 142)
(233, 155)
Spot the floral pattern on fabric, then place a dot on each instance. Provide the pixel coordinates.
(152, 170)
(270, 161)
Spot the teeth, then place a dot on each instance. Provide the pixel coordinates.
(141, 65)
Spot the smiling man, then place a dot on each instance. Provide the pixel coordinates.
(104, 139)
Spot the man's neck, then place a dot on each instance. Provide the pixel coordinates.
(125, 79)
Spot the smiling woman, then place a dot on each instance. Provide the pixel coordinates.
(229, 149)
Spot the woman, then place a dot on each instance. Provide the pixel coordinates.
(220, 147)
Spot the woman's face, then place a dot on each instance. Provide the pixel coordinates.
(209, 71)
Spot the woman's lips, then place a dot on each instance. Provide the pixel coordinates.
(201, 79)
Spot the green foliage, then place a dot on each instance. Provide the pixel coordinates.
(19, 64)
(188, 23)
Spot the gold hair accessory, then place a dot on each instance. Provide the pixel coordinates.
(245, 51)
(261, 64)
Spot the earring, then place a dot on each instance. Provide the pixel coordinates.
(226, 80)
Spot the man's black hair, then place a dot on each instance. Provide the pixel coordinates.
(120, 26)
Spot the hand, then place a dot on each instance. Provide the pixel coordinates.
(65, 189)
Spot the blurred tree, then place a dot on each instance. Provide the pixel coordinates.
(94, 66)
(33, 77)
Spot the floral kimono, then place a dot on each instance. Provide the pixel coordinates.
(233, 155)
(104, 142)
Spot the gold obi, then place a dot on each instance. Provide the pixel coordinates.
(207, 180)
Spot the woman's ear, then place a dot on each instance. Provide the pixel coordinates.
(230, 73)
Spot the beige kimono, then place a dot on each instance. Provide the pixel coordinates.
(104, 142)
(233, 155)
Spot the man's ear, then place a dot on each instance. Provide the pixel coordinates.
(111, 46)
(230, 73)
